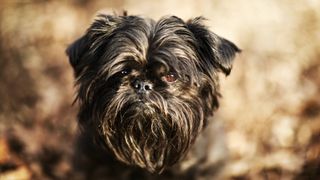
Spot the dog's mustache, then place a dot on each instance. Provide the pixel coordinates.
(158, 132)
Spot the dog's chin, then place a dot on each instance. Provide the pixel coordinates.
(141, 134)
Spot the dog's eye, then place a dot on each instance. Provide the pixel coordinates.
(125, 72)
(170, 77)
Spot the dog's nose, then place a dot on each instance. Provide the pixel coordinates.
(141, 86)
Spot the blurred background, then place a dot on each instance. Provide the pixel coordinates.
(270, 108)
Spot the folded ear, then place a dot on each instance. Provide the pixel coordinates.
(76, 51)
(85, 49)
(215, 51)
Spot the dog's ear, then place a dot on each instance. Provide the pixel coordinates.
(85, 49)
(215, 51)
(76, 51)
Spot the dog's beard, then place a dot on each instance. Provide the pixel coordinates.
(152, 133)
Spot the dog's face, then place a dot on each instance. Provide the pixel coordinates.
(146, 88)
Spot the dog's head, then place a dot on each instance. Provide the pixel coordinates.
(147, 88)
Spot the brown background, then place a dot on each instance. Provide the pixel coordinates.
(270, 108)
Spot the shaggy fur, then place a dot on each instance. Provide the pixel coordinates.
(146, 88)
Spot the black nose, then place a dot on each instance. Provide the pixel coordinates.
(141, 86)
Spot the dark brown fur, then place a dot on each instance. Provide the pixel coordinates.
(146, 89)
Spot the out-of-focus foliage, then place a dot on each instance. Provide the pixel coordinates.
(270, 108)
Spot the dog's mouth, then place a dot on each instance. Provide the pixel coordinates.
(141, 100)
(137, 105)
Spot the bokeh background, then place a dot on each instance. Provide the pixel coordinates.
(270, 109)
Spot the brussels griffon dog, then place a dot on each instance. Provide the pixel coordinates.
(146, 88)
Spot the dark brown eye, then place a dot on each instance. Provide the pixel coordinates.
(171, 77)
(125, 72)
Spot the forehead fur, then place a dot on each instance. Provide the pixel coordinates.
(145, 41)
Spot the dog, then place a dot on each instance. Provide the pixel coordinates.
(146, 89)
